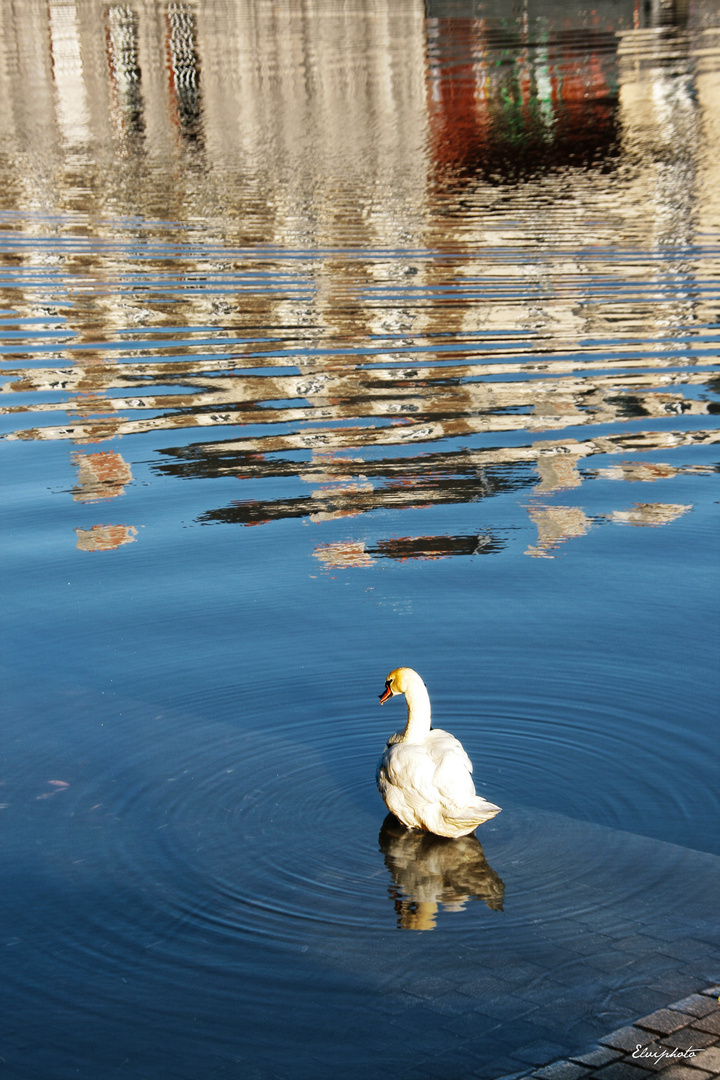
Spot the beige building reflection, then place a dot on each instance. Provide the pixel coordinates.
(102, 475)
(555, 525)
(343, 140)
(105, 537)
(652, 514)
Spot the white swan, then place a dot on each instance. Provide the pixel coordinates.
(424, 775)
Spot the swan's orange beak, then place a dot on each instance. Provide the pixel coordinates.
(387, 692)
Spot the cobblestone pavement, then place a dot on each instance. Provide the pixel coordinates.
(681, 1041)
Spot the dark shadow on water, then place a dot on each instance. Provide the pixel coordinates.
(429, 871)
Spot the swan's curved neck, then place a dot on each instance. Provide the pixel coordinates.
(418, 703)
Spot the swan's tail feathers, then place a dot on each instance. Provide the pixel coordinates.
(474, 814)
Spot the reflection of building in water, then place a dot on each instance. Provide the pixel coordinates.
(344, 554)
(643, 471)
(652, 514)
(555, 525)
(338, 489)
(100, 476)
(558, 472)
(509, 97)
(184, 69)
(124, 68)
(105, 537)
(402, 548)
(661, 115)
(73, 113)
(662, 14)
(327, 105)
(454, 477)
(432, 871)
(310, 127)
(422, 403)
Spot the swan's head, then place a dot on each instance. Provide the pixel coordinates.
(398, 682)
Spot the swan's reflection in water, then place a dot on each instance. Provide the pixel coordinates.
(430, 870)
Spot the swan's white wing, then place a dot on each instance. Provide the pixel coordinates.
(408, 765)
(405, 781)
(452, 777)
(462, 808)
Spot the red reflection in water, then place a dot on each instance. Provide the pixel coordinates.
(500, 104)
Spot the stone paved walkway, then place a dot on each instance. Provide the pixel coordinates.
(682, 1042)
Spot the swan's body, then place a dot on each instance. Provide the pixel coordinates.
(424, 775)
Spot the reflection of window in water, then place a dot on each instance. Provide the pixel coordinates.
(184, 69)
(656, 13)
(121, 42)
